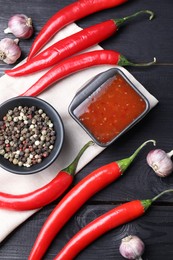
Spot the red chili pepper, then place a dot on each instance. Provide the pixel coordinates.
(45, 194)
(76, 63)
(67, 15)
(71, 45)
(75, 198)
(112, 219)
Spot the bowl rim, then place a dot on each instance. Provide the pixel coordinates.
(56, 150)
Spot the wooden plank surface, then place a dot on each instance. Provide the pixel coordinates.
(140, 40)
(154, 228)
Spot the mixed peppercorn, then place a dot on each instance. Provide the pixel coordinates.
(27, 136)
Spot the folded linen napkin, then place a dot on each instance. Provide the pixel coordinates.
(60, 96)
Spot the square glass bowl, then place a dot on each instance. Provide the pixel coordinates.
(108, 105)
(57, 126)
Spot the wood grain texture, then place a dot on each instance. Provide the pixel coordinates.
(139, 40)
(153, 228)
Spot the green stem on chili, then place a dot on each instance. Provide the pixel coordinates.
(124, 164)
(67, 15)
(124, 62)
(70, 45)
(120, 21)
(47, 193)
(77, 63)
(75, 198)
(71, 168)
(110, 220)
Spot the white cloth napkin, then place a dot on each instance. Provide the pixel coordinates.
(60, 96)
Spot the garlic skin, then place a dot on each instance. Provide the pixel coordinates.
(9, 50)
(20, 25)
(132, 247)
(160, 162)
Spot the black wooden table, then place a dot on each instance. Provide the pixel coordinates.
(140, 41)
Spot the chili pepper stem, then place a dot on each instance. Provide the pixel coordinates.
(120, 21)
(72, 167)
(161, 194)
(124, 62)
(124, 163)
(147, 203)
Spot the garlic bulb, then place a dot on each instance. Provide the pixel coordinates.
(20, 25)
(160, 162)
(9, 50)
(132, 247)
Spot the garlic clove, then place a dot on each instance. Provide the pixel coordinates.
(9, 50)
(20, 25)
(160, 162)
(132, 247)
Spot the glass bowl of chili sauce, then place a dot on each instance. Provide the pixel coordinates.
(109, 105)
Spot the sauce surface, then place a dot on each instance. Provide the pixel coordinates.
(110, 109)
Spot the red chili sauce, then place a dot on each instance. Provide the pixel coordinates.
(111, 109)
